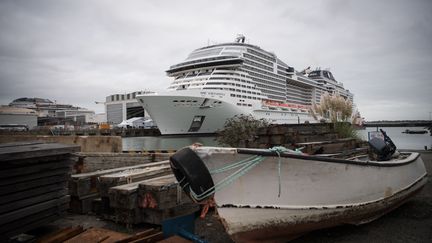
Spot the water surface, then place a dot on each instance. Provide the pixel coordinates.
(401, 140)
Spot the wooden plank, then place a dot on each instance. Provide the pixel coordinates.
(32, 192)
(24, 163)
(33, 220)
(30, 177)
(101, 206)
(35, 168)
(175, 239)
(161, 194)
(138, 235)
(61, 235)
(156, 216)
(85, 183)
(109, 171)
(128, 216)
(8, 153)
(126, 196)
(84, 204)
(24, 212)
(150, 238)
(105, 182)
(32, 200)
(98, 235)
(103, 161)
(4, 190)
(33, 225)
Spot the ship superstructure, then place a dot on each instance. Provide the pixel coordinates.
(220, 81)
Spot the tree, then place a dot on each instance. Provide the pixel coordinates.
(240, 130)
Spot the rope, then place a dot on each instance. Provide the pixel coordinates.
(247, 164)
(233, 165)
(279, 150)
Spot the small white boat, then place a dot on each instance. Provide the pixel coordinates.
(271, 195)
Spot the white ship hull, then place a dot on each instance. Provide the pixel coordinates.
(174, 112)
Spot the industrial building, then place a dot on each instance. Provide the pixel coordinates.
(120, 107)
(53, 113)
(18, 116)
(80, 116)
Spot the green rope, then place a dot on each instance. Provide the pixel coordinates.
(248, 164)
(233, 165)
(278, 150)
(245, 165)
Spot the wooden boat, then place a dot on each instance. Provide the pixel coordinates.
(276, 195)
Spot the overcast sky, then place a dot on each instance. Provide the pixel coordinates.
(79, 52)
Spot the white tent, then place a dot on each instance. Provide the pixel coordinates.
(137, 122)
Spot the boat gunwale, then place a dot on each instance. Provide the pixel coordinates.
(413, 156)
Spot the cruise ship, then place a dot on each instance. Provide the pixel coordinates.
(218, 82)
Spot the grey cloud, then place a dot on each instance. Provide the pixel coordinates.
(81, 51)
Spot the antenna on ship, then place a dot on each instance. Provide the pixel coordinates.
(306, 70)
(240, 38)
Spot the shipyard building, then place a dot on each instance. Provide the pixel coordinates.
(48, 112)
(120, 107)
(16, 117)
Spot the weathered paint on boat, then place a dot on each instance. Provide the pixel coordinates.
(316, 192)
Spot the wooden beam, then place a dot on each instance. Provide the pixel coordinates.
(161, 194)
(85, 183)
(126, 196)
(33, 200)
(18, 152)
(97, 235)
(61, 235)
(27, 211)
(105, 182)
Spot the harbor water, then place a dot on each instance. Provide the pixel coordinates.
(401, 140)
(166, 142)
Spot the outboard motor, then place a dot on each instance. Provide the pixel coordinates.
(383, 149)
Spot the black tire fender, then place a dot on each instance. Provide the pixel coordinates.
(190, 171)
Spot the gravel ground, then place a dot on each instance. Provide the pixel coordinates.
(412, 222)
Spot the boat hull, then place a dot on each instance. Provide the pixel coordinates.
(315, 192)
(174, 112)
(281, 225)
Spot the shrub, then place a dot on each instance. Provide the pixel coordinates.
(240, 130)
(345, 130)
